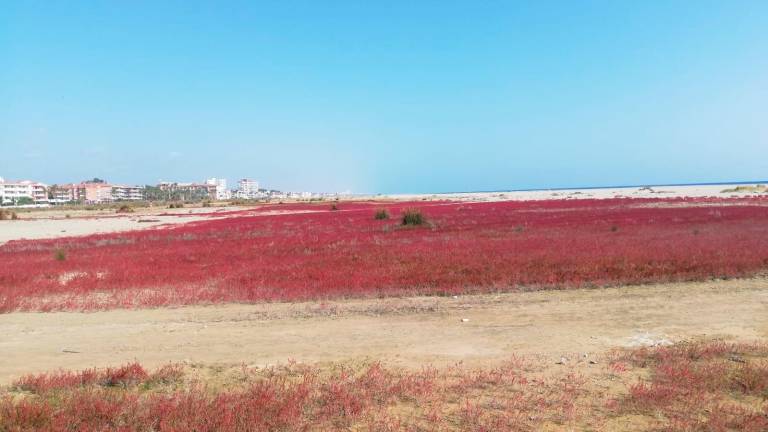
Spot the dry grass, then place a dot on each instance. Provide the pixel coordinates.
(700, 386)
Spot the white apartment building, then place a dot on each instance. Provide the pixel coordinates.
(127, 193)
(11, 192)
(222, 192)
(248, 188)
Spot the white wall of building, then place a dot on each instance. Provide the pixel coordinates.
(12, 191)
(222, 192)
(248, 188)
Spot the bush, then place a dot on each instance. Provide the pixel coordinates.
(125, 208)
(381, 214)
(206, 203)
(8, 215)
(60, 255)
(176, 205)
(240, 202)
(413, 217)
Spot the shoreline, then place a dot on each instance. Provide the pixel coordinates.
(715, 190)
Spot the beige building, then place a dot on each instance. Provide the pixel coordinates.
(95, 193)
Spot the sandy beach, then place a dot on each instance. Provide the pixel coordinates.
(683, 191)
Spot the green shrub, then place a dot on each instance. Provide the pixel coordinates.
(125, 208)
(381, 214)
(413, 217)
(60, 255)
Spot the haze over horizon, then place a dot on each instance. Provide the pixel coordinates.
(390, 98)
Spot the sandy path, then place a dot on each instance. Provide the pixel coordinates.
(408, 332)
(54, 223)
(32, 229)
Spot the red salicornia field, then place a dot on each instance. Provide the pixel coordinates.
(315, 251)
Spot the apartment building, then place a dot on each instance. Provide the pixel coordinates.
(67, 193)
(188, 191)
(248, 189)
(127, 193)
(222, 193)
(95, 193)
(11, 192)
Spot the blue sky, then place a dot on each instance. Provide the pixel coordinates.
(395, 96)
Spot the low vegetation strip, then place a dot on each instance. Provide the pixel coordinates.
(712, 386)
(703, 386)
(424, 248)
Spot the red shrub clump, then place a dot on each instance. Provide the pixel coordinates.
(314, 253)
(125, 376)
(711, 386)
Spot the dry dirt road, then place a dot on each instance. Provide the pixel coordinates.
(407, 332)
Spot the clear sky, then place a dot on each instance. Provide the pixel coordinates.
(388, 96)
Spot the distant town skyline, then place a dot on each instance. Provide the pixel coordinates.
(397, 97)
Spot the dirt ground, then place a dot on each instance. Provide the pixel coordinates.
(55, 223)
(409, 332)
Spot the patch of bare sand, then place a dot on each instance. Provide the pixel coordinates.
(407, 332)
(49, 224)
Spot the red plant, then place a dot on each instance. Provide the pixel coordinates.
(701, 386)
(129, 375)
(303, 398)
(690, 387)
(260, 255)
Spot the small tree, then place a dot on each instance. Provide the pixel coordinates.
(24, 201)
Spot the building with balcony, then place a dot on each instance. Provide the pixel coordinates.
(222, 193)
(67, 193)
(94, 193)
(15, 192)
(127, 193)
(248, 189)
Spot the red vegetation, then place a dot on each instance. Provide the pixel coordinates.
(262, 255)
(125, 376)
(702, 387)
(707, 386)
(299, 398)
